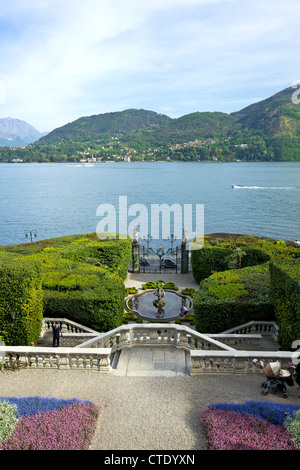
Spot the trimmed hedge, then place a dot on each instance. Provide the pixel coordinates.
(232, 298)
(111, 254)
(219, 250)
(21, 293)
(285, 293)
(82, 277)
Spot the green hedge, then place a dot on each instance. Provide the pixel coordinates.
(219, 251)
(82, 277)
(114, 255)
(285, 293)
(21, 293)
(231, 298)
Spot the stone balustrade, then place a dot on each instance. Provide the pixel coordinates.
(236, 362)
(73, 333)
(267, 328)
(240, 341)
(56, 358)
(210, 354)
(127, 336)
(68, 326)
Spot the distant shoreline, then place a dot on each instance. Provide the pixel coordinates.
(153, 161)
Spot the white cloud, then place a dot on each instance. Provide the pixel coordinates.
(61, 60)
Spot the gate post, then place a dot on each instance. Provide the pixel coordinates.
(184, 257)
(135, 256)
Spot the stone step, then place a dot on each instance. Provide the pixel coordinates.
(153, 361)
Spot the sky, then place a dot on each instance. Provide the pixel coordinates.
(61, 60)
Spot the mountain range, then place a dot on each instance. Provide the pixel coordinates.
(16, 133)
(274, 121)
(266, 130)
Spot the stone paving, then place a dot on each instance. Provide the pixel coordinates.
(180, 280)
(153, 362)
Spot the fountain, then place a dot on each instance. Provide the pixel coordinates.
(168, 304)
(159, 303)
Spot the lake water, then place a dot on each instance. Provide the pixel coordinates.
(62, 199)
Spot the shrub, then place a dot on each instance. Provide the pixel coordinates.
(285, 293)
(292, 424)
(188, 291)
(218, 250)
(21, 293)
(131, 290)
(112, 254)
(100, 308)
(231, 298)
(8, 419)
(82, 277)
(165, 285)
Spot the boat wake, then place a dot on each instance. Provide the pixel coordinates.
(236, 186)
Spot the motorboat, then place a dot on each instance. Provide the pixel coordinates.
(237, 186)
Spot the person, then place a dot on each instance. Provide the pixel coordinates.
(182, 311)
(56, 334)
(36, 356)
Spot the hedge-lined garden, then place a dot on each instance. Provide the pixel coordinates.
(246, 278)
(226, 251)
(231, 298)
(21, 301)
(285, 293)
(81, 278)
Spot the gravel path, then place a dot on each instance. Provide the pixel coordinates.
(142, 413)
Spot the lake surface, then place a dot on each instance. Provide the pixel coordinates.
(62, 199)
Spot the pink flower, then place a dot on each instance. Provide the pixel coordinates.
(229, 430)
(69, 428)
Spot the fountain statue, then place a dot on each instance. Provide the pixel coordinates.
(168, 304)
(160, 293)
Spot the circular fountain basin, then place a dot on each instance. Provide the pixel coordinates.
(142, 305)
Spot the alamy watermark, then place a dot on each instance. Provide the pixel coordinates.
(296, 85)
(139, 221)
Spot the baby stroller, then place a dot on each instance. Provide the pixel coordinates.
(276, 379)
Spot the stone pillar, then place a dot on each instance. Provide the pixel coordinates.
(135, 256)
(184, 257)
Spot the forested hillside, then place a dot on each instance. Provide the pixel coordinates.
(265, 131)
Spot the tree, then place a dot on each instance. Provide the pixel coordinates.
(235, 259)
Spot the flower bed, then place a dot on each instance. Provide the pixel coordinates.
(36, 423)
(251, 426)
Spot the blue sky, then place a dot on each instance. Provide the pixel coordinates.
(60, 60)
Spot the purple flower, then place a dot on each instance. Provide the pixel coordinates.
(231, 430)
(69, 428)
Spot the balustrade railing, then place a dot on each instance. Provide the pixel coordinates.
(209, 353)
(238, 362)
(55, 358)
(68, 326)
(127, 336)
(267, 328)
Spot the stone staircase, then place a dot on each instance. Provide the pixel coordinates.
(160, 349)
(152, 362)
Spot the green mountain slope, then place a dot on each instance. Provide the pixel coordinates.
(268, 130)
(276, 116)
(277, 121)
(94, 127)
